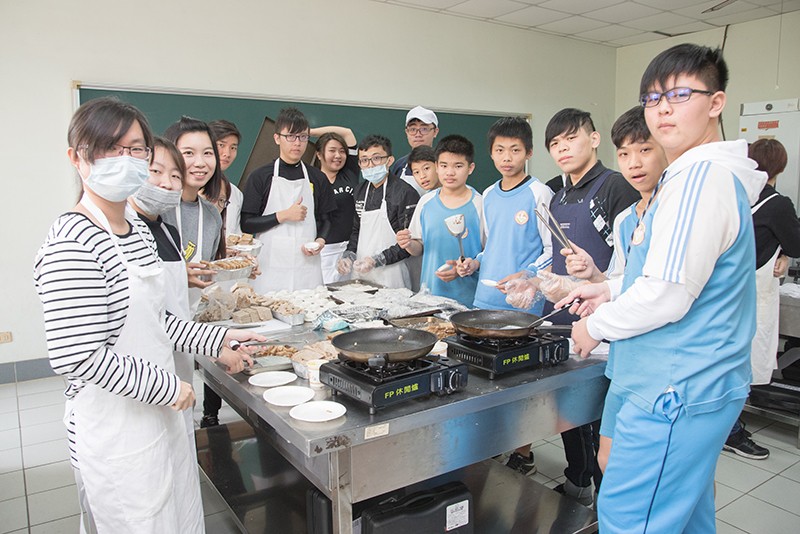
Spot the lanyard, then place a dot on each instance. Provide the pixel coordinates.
(638, 233)
(198, 251)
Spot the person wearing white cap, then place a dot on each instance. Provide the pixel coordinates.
(422, 127)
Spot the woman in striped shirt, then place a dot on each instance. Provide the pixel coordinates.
(100, 281)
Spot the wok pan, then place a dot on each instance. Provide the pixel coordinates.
(397, 344)
(494, 323)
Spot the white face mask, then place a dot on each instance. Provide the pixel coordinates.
(155, 200)
(374, 174)
(117, 178)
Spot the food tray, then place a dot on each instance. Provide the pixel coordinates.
(294, 320)
(353, 314)
(355, 285)
(224, 275)
(253, 249)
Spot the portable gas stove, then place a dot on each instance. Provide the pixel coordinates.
(503, 355)
(393, 383)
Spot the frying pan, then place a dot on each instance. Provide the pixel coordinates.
(494, 323)
(397, 344)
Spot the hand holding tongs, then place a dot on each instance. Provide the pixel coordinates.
(555, 227)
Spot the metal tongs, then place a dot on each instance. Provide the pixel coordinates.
(555, 227)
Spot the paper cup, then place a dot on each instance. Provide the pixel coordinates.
(313, 373)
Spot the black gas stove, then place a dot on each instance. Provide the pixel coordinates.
(503, 355)
(393, 383)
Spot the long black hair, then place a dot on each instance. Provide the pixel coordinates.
(186, 125)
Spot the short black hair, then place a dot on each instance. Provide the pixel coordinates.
(694, 60)
(222, 128)
(514, 127)
(376, 140)
(631, 127)
(292, 119)
(567, 122)
(421, 153)
(456, 144)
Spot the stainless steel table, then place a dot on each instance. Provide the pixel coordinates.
(359, 456)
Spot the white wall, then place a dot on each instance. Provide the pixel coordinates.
(762, 57)
(297, 48)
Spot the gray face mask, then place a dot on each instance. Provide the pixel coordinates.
(155, 200)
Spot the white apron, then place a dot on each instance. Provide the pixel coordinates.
(377, 235)
(764, 348)
(330, 256)
(177, 302)
(194, 292)
(136, 464)
(283, 264)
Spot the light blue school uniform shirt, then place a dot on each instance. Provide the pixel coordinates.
(704, 356)
(440, 245)
(515, 239)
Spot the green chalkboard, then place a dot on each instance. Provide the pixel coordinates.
(163, 108)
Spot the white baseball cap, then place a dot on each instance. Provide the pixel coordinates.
(425, 115)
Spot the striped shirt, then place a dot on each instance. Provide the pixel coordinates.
(83, 286)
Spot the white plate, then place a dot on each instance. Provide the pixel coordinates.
(270, 379)
(311, 246)
(288, 395)
(444, 267)
(318, 411)
(490, 283)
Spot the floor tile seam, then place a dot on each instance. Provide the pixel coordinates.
(730, 503)
(775, 505)
(53, 521)
(733, 526)
(62, 438)
(24, 467)
(747, 461)
(71, 483)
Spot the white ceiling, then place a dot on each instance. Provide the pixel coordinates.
(608, 22)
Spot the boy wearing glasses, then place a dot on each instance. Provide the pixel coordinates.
(287, 205)
(422, 127)
(683, 315)
(384, 206)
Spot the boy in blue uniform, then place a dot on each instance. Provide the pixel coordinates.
(516, 240)
(683, 314)
(428, 233)
(641, 161)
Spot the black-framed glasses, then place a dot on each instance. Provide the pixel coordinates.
(223, 203)
(424, 130)
(375, 160)
(676, 95)
(294, 137)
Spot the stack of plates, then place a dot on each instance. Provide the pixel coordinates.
(297, 396)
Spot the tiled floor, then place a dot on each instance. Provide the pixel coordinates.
(37, 487)
(38, 496)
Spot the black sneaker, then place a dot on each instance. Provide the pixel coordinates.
(741, 444)
(522, 464)
(209, 420)
(582, 495)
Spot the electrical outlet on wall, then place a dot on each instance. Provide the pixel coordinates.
(5, 337)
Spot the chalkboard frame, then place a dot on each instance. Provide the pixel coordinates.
(164, 105)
